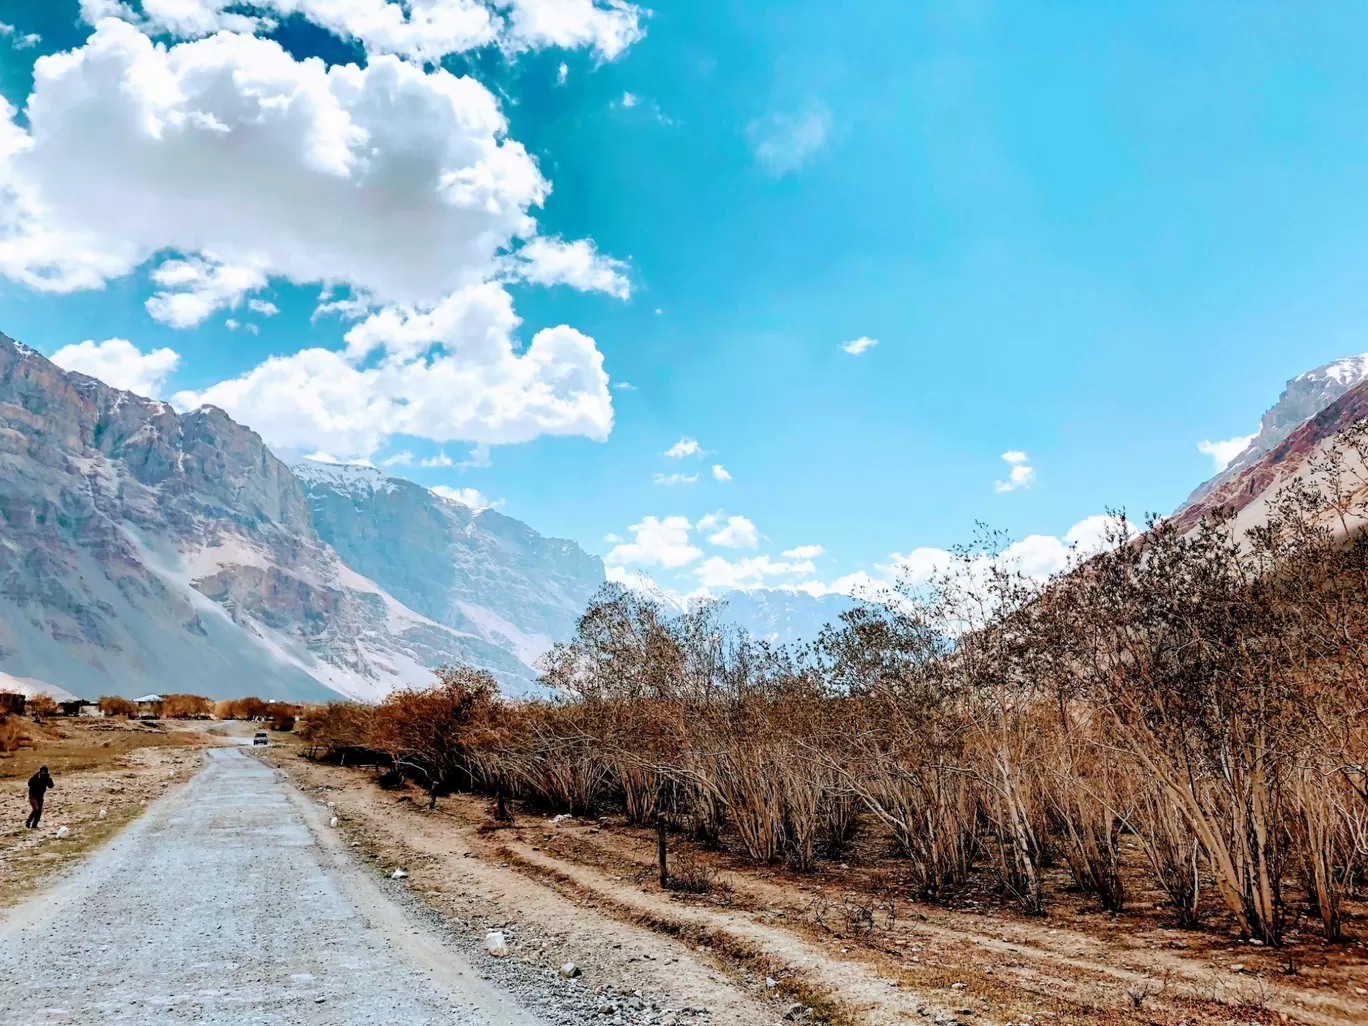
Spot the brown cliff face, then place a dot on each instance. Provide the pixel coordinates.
(145, 550)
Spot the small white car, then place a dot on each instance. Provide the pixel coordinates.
(260, 738)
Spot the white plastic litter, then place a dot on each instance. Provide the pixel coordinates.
(104, 813)
(495, 943)
(333, 822)
(398, 874)
(62, 832)
(562, 817)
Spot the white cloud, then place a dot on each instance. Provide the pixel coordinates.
(608, 27)
(804, 552)
(613, 539)
(857, 346)
(656, 542)
(120, 363)
(471, 497)
(720, 473)
(630, 99)
(261, 306)
(739, 533)
(784, 142)
(423, 31)
(195, 288)
(683, 447)
(402, 458)
(450, 373)
(1222, 453)
(562, 73)
(624, 386)
(440, 460)
(746, 573)
(19, 40)
(1037, 555)
(1020, 476)
(479, 458)
(229, 148)
(578, 264)
(670, 480)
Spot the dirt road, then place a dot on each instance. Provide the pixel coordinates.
(231, 901)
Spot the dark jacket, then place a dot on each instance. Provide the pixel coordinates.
(39, 784)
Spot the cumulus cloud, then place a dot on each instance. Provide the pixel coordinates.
(195, 288)
(440, 460)
(784, 142)
(120, 363)
(683, 447)
(449, 373)
(471, 497)
(736, 533)
(422, 30)
(1222, 453)
(670, 480)
(804, 552)
(229, 148)
(1020, 476)
(720, 473)
(656, 542)
(578, 264)
(857, 346)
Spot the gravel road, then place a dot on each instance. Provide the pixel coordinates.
(230, 901)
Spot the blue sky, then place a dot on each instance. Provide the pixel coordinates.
(1091, 234)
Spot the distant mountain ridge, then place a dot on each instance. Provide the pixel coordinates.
(476, 571)
(142, 549)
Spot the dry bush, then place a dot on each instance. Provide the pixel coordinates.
(178, 707)
(336, 731)
(113, 705)
(43, 705)
(1199, 693)
(10, 735)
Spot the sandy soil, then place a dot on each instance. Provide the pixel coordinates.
(830, 941)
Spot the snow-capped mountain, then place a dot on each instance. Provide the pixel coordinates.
(474, 570)
(141, 549)
(1305, 396)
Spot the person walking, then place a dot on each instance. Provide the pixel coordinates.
(38, 789)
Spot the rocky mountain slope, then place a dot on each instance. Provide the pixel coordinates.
(1247, 492)
(1305, 396)
(476, 571)
(141, 549)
